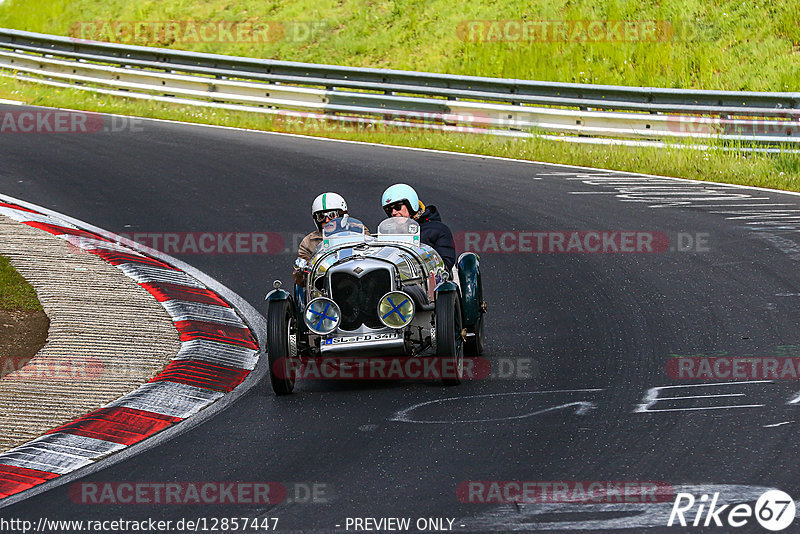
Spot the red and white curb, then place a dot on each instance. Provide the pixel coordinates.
(218, 351)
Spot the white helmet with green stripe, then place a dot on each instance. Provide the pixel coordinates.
(327, 206)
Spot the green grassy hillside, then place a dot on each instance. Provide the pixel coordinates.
(710, 44)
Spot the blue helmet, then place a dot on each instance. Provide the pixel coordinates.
(401, 192)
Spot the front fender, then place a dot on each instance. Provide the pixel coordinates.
(278, 294)
(469, 276)
(446, 287)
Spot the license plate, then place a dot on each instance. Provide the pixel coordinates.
(360, 339)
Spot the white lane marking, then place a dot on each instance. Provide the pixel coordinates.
(582, 406)
(639, 182)
(663, 195)
(652, 397)
(664, 192)
(612, 179)
(582, 409)
(741, 206)
(659, 410)
(669, 188)
(701, 396)
(643, 185)
(786, 246)
(774, 215)
(717, 384)
(767, 215)
(686, 202)
(776, 425)
(770, 225)
(758, 208)
(661, 192)
(780, 224)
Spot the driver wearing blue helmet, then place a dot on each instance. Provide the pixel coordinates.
(401, 200)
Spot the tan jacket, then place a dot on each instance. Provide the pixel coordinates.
(309, 245)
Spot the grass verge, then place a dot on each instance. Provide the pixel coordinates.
(16, 294)
(23, 323)
(777, 171)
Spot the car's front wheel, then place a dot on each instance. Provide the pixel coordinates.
(449, 337)
(281, 347)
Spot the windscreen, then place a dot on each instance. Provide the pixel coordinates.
(399, 226)
(343, 227)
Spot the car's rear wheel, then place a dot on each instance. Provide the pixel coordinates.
(281, 347)
(449, 337)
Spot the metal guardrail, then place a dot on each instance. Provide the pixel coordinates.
(401, 98)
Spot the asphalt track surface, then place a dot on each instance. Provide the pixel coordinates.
(598, 329)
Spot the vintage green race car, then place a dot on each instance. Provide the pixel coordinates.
(387, 295)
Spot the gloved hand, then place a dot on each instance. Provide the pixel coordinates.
(299, 277)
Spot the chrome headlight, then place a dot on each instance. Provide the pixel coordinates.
(395, 309)
(322, 316)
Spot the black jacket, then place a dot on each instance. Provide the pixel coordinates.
(435, 233)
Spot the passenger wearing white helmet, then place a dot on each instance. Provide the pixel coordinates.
(325, 207)
(400, 200)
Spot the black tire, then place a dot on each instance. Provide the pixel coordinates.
(449, 341)
(474, 343)
(281, 357)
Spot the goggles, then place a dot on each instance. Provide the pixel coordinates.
(391, 208)
(322, 216)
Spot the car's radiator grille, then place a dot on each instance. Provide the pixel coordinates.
(358, 297)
